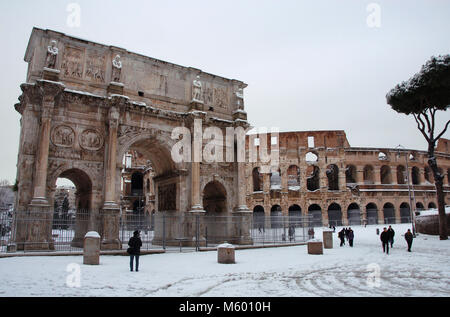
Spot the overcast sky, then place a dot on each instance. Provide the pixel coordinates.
(309, 65)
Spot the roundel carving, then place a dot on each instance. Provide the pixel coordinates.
(91, 140)
(63, 135)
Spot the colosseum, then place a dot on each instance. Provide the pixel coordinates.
(321, 175)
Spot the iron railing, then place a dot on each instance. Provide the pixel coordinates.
(47, 231)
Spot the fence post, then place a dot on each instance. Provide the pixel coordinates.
(164, 231)
(197, 229)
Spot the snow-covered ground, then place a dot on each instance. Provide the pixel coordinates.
(363, 270)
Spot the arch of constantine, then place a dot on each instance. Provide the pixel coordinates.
(86, 105)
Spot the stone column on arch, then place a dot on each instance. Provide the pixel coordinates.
(49, 90)
(40, 216)
(110, 211)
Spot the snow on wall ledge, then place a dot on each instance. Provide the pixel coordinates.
(427, 222)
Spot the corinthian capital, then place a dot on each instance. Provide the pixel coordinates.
(50, 89)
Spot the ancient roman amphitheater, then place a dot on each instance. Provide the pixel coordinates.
(104, 118)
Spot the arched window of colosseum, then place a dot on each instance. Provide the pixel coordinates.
(405, 213)
(333, 177)
(432, 205)
(312, 180)
(386, 177)
(415, 175)
(315, 215)
(389, 213)
(295, 215)
(293, 174)
(382, 156)
(412, 156)
(335, 215)
(401, 174)
(354, 215)
(350, 174)
(257, 179)
(276, 220)
(419, 206)
(311, 157)
(368, 174)
(372, 214)
(427, 174)
(275, 180)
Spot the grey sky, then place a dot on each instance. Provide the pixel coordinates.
(310, 65)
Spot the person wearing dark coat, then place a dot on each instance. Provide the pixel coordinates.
(391, 236)
(384, 237)
(135, 244)
(351, 235)
(341, 236)
(409, 239)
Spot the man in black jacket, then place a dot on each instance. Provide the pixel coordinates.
(409, 239)
(135, 244)
(384, 237)
(391, 236)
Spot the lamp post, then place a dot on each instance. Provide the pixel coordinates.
(412, 198)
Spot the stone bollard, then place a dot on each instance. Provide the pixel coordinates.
(91, 248)
(315, 247)
(328, 239)
(225, 253)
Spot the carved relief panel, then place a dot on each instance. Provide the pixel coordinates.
(72, 64)
(63, 135)
(91, 140)
(95, 67)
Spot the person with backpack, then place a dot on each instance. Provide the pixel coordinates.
(134, 250)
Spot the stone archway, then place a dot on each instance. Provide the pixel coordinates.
(215, 199)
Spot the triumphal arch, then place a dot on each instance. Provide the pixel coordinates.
(84, 105)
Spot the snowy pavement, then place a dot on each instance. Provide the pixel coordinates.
(363, 270)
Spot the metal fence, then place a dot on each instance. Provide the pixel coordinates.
(33, 231)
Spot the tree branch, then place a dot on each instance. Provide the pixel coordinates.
(443, 131)
(421, 126)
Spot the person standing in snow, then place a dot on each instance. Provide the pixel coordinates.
(351, 235)
(341, 236)
(409, 239)
(135, 244)
(384, 237)
(391, 236)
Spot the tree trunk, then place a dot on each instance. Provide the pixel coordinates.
(438, 182)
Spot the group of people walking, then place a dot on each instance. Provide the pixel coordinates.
(346, 234)
(387, 239)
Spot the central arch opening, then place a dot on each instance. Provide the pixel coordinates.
(149, 189)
